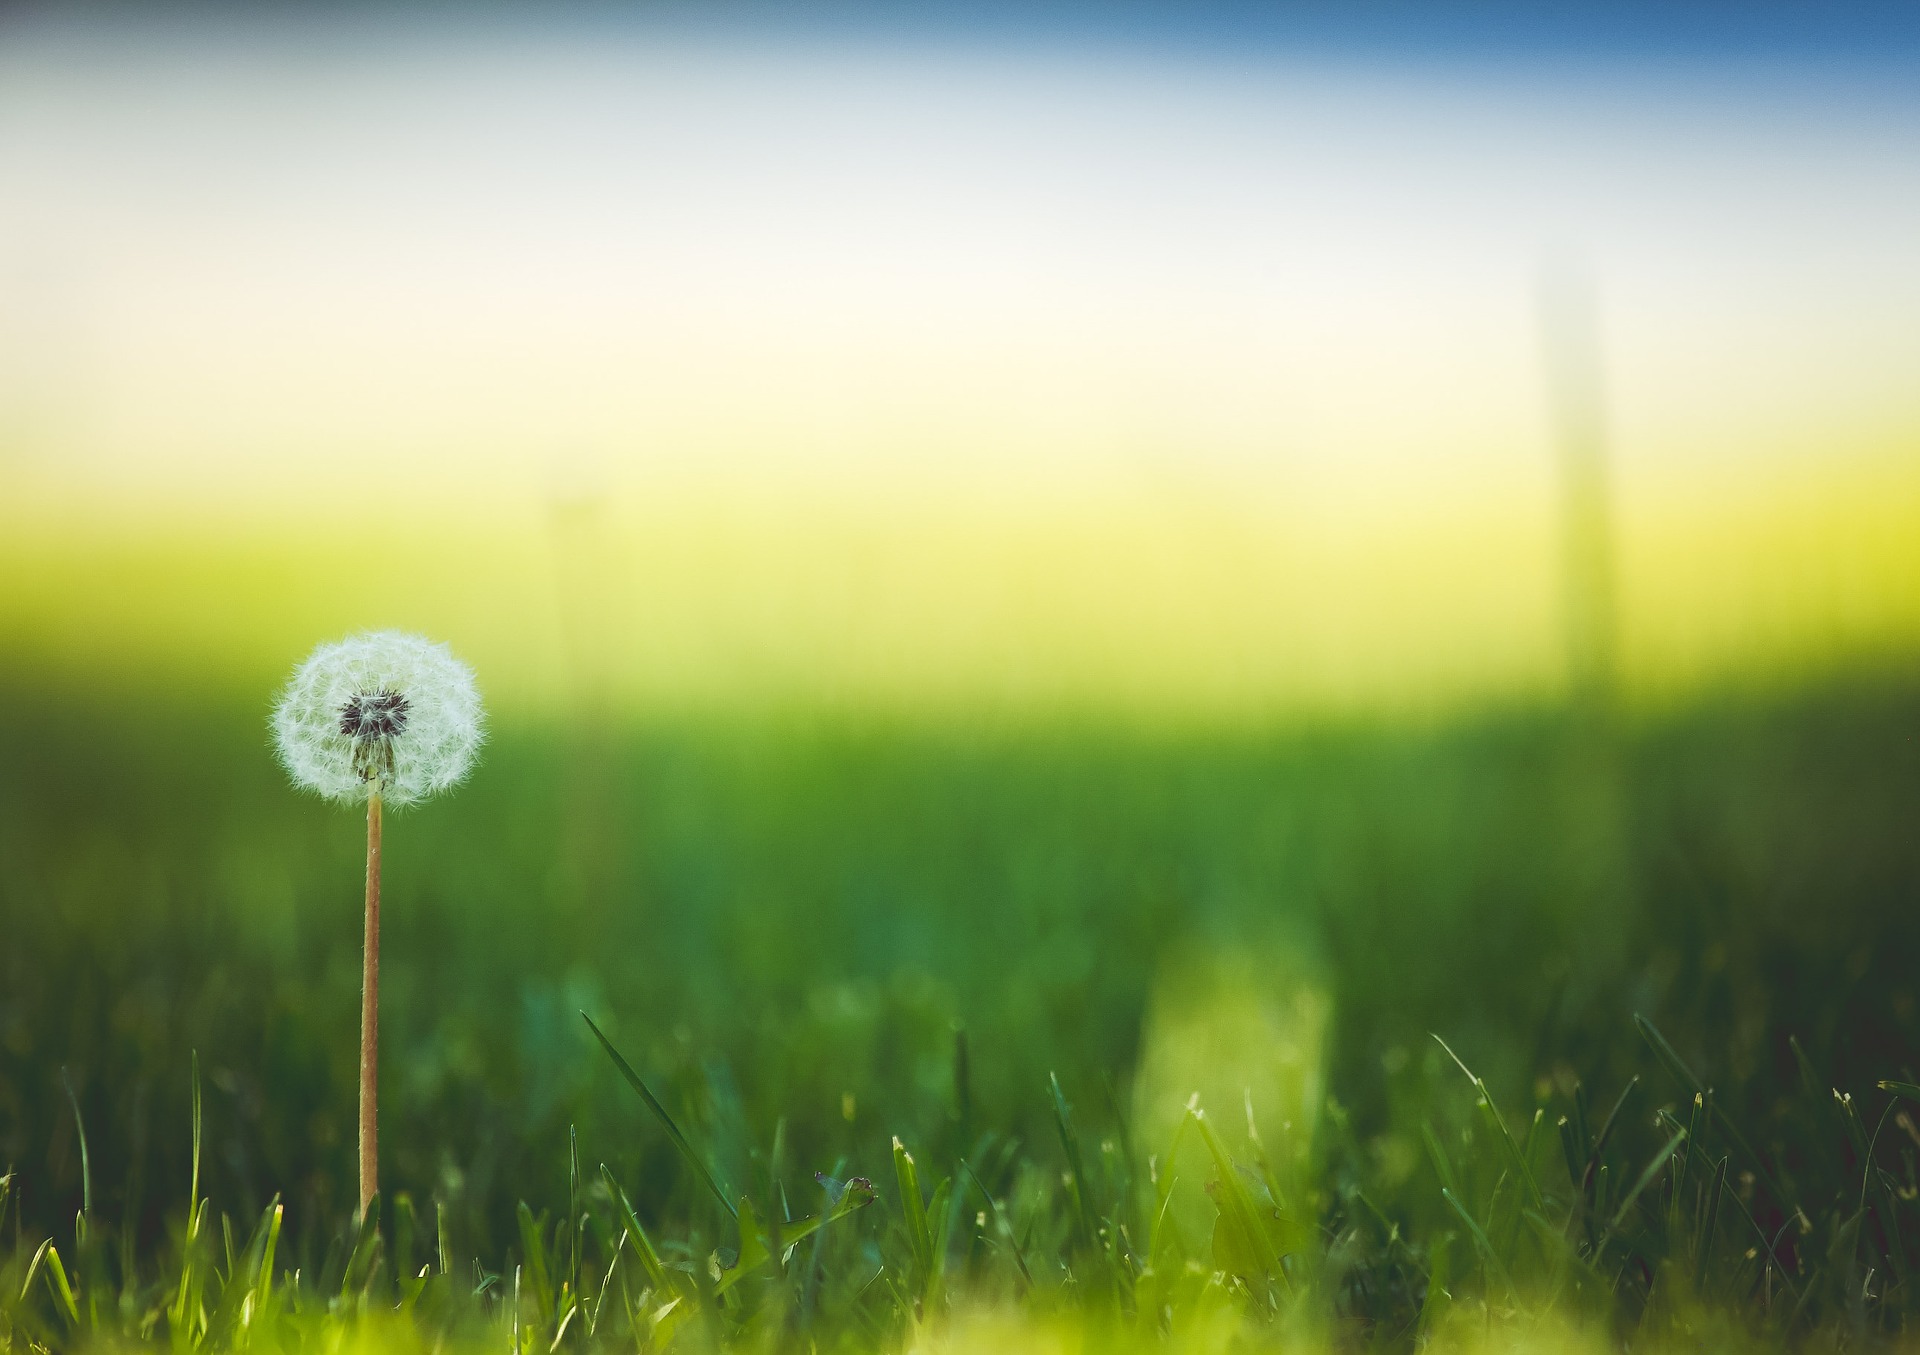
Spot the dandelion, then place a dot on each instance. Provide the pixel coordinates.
(380, 717)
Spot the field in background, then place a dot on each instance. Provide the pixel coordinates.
(786, 921)
(1224, 604)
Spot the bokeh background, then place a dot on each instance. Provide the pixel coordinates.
(1189, 544)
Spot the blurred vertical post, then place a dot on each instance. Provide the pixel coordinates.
(1598, 842)
(593, 619)
(1571, 347)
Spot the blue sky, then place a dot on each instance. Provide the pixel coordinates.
(1857, 28)
(1877, 32)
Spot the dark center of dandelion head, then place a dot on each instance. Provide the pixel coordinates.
(373, 715)
(373, 720)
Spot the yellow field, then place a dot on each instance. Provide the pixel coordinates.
(1189, 602)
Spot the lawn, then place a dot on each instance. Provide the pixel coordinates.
(947, 989)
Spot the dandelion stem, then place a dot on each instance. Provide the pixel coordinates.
(370, 1014)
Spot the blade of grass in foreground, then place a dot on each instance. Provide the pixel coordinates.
(1077, 1183)
(86, 1162)
(1687, 1078)
(666, 1120)
(913, 1209)
(1005, 1225)
(643, 1247)
(843, 1199)
(1519, 1161)
(1482, 1244)
(1646, 1179)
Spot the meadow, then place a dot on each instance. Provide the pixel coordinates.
(1048, 1034)
(1190, 678)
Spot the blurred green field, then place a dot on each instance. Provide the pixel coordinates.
(793, 928)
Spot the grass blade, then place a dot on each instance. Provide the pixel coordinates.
(1613, 1118)
(1646, 1179)
(1481, 1242)
(1523, 1169)
(842, 1200)
(33, 1268)
(86, 1163)
(1001, 1220)
(642, 1244)
(1678, 1067)
(536, 1262)
(249, 1279)
(59, 1286)
(913, 1209)
(1251, 1250)
(1712, 1222)
(660, 1113)
(263, 1287)
(1077, 1183)
(1442, 1164)
(1668, 1057)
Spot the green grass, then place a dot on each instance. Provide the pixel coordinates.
(944, 990)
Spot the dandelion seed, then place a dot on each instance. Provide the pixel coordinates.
(380, 717)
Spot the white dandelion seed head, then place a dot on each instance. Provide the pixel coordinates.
(384, 713)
